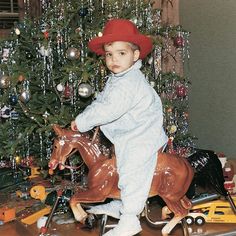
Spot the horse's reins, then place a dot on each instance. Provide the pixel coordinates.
(95, 134)
(77, 167)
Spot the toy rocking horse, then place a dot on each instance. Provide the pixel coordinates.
(172, 178)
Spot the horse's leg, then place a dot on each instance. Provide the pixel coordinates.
(166, 211)
(79, 213)
(171, 224)
(88, 196)
(179, 208)
(186, 203)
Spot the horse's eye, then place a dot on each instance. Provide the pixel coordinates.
(55, 147)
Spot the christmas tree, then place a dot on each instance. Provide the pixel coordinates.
(48, 75)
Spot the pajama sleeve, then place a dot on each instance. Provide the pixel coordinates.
(112, 103)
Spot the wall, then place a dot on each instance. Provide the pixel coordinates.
(212, 72)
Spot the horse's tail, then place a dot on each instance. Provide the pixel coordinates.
(208, 171)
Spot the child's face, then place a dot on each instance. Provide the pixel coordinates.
(120, 56)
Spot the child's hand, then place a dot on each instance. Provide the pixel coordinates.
(73, 126)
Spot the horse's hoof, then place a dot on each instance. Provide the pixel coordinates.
(90, 221)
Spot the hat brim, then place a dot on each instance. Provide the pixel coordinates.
(145, 43)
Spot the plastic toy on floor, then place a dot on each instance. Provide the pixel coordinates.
(216, 211)
(171, 181)
(229, 174)
(7, 214)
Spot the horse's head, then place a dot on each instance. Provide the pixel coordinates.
(68, 142)
(62, 147)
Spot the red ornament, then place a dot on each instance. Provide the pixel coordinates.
(67, 91)
(179, 41)
(181, 91)
(46, 34)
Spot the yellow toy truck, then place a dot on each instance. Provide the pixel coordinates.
(217, 211)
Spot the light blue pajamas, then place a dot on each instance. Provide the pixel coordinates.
(129, 112)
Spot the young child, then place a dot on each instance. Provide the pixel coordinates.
(129, 113)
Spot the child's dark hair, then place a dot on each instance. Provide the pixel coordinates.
(133, 46)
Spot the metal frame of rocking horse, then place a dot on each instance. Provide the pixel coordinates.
(103, 224)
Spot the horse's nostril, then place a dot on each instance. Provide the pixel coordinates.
(61, 166)
(52, 164)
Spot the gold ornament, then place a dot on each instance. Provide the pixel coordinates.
(21, 78)
(17, 159)
(17, 31)
(173, 129)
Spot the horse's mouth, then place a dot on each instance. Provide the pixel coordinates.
(61, 165)
(53, 164)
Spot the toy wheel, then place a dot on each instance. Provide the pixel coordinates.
(199, 220)
(189, 220)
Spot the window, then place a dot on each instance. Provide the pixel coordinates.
(8, 13)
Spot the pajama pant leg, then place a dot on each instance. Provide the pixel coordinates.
(135, 177)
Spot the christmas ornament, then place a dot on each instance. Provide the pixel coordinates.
(17, 31)
(179, 41)
(45, 52)
(44, 27)
(13, 99)
(5, 112)
(172, 129)
(46, 34)
(5, 54)
(72, 53)
(4, 81)
(19, 28)
(25, 96)
(181, 91)
(67, 91)
(21, 78)
(83, 11)
(60, 88)
(17, 159)
(14, 115)
(85, 90)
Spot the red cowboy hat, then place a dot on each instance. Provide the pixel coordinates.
(121, 30)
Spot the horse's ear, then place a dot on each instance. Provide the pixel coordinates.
(57, 129)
